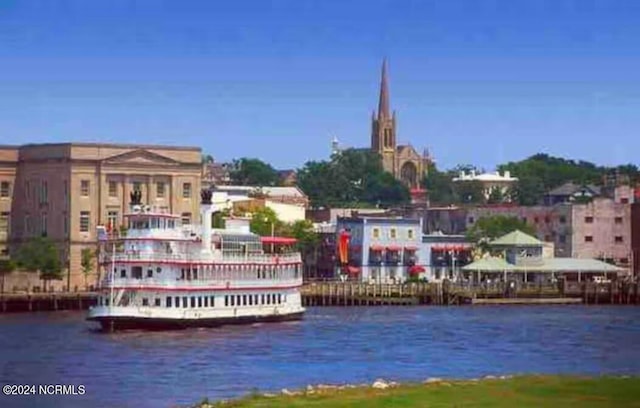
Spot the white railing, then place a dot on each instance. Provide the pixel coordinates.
(131, 283)
(199, 257)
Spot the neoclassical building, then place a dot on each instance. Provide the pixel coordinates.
(64, 190)
(403, 161)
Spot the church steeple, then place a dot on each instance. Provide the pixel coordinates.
(383, 103)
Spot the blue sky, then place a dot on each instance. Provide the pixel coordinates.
(478, 81)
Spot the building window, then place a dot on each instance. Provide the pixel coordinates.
(137, 186)
(44, 192)
(392, 233)
(160, 189)
(5, 189)
(43, 225)
(524, 219)
(624, 200)
(618, 239)
(376, 233)
(65, 224)
(563, 219)
(410, 233)
(624, 261)
(536, 220)
(547, 238)
(618, 220)
(113, 189)
(588, 238)
(588, 220)
(471, 220)
(4, 222)
(186, 190)
(112, 219)
(186, 218)
(546, 220)
(27, 224)
(84, 221)
(85, 188)
(562, 239)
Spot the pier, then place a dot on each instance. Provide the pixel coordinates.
(449, 293)
(46, 301)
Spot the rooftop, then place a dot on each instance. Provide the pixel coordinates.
(516, 238)
(494, 264)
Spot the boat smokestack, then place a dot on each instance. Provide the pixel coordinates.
(206, 211)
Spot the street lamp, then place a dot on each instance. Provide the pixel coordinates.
(266, 219)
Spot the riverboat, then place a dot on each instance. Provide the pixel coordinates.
(163, 274)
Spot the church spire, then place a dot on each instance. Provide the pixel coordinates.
(383, 104)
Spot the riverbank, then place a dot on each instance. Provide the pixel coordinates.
(525, 391)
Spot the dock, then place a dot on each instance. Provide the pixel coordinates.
(332, 293)
(46, 301)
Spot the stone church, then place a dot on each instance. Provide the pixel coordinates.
(403, 161)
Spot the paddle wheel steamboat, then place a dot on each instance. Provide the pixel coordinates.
(160, 274)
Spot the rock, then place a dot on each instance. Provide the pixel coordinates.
(432, 380)
(380, 384)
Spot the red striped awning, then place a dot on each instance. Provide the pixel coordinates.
(376, 248)
(410, 248)
(393, 248)
(278, 240)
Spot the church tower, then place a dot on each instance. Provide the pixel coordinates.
(383, 126)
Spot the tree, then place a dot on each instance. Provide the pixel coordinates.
(264, 221)
(353, 177)
(469, 192)
(487, 229)
(304, 233)
(6, 266)
(40, 254)
(439, 186)
(496, 196)
(87, 255)
(253, 172)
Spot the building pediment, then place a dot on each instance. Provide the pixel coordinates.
(141, 157)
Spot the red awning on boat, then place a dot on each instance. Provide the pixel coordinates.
(278, 240)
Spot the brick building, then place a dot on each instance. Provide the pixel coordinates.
(635, 236)
(63, 191)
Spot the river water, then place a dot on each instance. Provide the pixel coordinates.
(330, 346)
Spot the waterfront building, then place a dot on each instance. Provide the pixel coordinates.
(522, 260)
(635, 236)
(64, 190)
(8, 167)
(444, 256)
(571, 192)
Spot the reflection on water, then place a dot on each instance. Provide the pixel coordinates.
(331, 345)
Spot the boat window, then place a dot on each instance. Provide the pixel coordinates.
(171, 224)
(106, 301)
(177, 299)
(182, 273)
(206, 301)
(244, 300)
(158, 270)
(279, 298)
(123, 273)
(169, 301)
(195, 273)
(262, 299)
(255, 299)
(250, 300)
(238, 302)
(211, 302)
(268, 299)
(273, 298)
(185, 301)
(149, 273)
(232, 298)
(157, 301)
(193, 301)
(136, 272)
(199, 301)
(226, 300)
(145, 302)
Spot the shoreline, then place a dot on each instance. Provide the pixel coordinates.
(499, 391)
